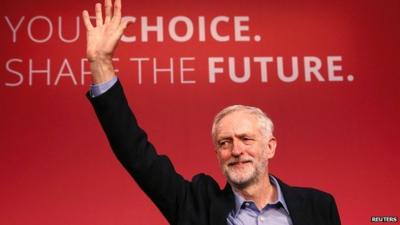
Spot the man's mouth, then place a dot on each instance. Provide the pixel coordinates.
(239, 163)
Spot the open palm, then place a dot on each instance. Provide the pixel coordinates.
(103, 38)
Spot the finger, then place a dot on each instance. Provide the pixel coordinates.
(99, 16)
(117, 12)
(107, 6)
(124, 24)
(86, 20)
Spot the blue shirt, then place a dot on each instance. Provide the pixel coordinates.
(98, 89)
(247, 213)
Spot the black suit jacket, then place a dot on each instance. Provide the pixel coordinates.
(199, 201)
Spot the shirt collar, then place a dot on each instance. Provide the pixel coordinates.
(280, 198)
(239, 200)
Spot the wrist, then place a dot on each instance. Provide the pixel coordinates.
(102, 69)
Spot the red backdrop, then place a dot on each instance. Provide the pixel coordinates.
(335, 121)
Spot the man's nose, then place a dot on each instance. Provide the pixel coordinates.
(237, 148)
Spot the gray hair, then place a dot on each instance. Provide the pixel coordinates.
(265, 124)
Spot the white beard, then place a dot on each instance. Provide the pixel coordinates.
(244, 175)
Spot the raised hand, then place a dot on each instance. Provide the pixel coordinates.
(103, 38)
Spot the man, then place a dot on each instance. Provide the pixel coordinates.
(244, 142)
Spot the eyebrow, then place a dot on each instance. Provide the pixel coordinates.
(236, 135)
(224, 138)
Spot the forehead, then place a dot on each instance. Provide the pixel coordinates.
(236, 123)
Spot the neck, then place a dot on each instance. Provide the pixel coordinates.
(261, 193)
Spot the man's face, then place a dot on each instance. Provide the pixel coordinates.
(242, 150)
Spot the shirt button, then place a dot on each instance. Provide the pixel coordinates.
(261, 219)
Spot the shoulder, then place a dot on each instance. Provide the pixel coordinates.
(202, 200)
(311, 195)
(205, 187)
(307, 196)
(310, 205)
(304, 192)
(205, 183)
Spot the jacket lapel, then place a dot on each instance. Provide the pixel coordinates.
(295, 204)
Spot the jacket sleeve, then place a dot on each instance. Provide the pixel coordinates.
(155, 174)
(334, 213)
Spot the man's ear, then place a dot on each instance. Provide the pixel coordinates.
(271, 146)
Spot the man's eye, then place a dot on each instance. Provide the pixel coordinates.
(247, 140)
(223, 144)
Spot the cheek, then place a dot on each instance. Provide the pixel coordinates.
(259, 151)
(223, 156)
